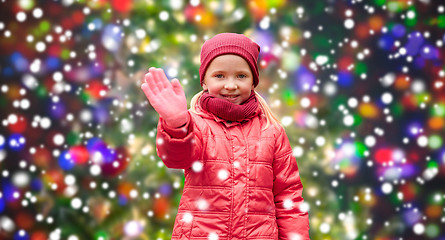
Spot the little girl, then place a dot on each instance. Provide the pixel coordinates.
(241, 180)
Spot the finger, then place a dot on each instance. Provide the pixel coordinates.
(151, 82)
(144, 87)
(145, 77)
(151, 96)
(147, 91)
(151, 69)
(156, 81)
(162, 78)
(177, 88)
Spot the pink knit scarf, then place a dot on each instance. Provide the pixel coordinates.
(227, 110)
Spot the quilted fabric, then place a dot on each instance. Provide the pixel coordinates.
(241, 182)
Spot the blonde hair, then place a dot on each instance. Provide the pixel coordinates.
(270, 117)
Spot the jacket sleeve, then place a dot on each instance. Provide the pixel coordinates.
(177, 147)
(292, 217)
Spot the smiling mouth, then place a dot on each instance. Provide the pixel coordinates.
(230, 96)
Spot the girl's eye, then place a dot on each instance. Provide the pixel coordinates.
(242, 76)
(219, 76)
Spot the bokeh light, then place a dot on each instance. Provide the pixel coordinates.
(358, 86)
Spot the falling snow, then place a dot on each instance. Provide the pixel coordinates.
(358, 86)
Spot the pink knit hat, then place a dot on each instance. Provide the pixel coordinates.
(230, 43)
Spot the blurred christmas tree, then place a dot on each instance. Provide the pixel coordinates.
(358, 85)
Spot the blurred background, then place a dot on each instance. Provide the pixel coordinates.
(357, 84)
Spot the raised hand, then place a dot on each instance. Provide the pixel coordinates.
(167, 98)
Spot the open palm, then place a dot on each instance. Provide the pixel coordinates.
(167, 98)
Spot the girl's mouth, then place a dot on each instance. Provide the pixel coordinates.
(230, 96)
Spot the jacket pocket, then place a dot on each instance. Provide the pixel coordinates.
(210, 226)
(183, 226)
(261, 226)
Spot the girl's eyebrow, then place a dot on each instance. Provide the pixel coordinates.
(242, 71)
(215, 71)
(218, 71)
(236, 71)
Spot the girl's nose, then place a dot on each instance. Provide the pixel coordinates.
(230, 85)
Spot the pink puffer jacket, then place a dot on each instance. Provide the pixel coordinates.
(241, 182)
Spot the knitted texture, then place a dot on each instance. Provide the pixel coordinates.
(227, 110)
(230, 43)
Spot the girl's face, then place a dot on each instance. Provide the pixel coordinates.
(229, 77)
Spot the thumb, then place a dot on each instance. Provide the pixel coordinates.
(177, 87)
